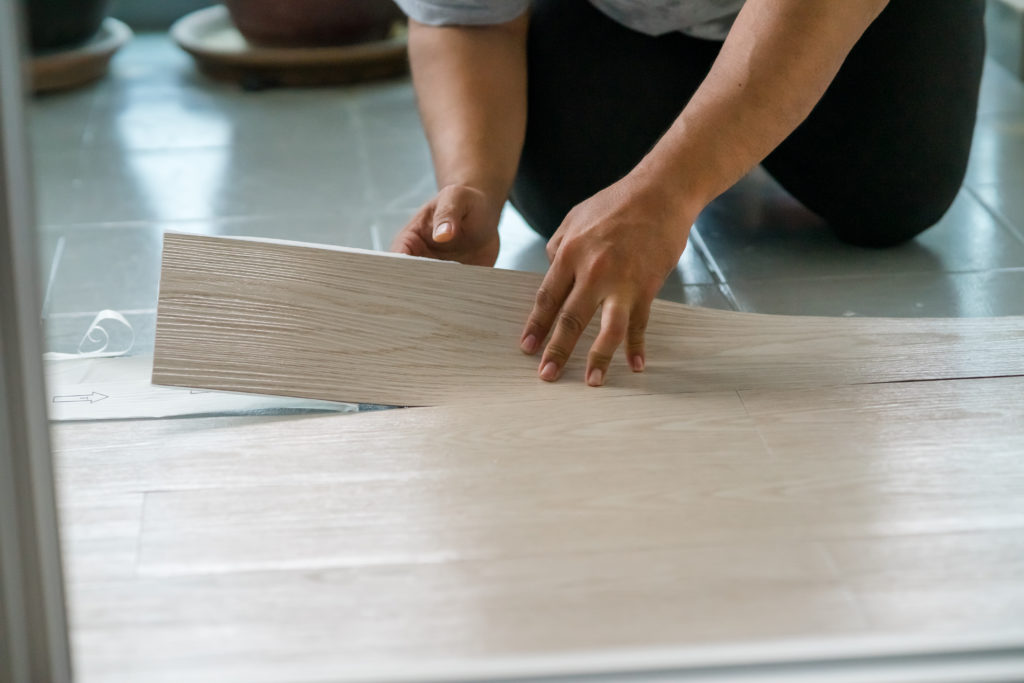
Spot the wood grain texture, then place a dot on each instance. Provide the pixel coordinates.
(244, 315)
(412, 542)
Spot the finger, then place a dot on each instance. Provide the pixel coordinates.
(553, 244)
(635, 352)
(614, 321)
(410, 239)
(550, 295)
(572, 320)
(450, 210)
(555, 241)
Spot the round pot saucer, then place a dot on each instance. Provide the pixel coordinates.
(221, 52)
(71, 67)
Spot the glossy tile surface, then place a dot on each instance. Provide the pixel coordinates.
(902, 295)
(998, 152)
(757, 231)
(156, 146)
(1007, 201)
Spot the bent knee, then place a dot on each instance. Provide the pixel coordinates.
(888, 223)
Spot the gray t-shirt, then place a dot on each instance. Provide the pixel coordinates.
(709, 19)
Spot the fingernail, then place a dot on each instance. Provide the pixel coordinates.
(596, 377)
(443, 231)
(549, 372)
(529, 344)
(637, 363)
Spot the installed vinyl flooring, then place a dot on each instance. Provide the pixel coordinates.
(431, 543)
(194, 544)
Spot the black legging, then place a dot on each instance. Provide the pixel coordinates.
(880, 158)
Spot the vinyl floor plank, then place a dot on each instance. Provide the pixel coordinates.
(943, 580)
(633, 477)
(412, 539)
(927, 456)
(100, 536)
(378, 446)
(364, 623)
(243, 315)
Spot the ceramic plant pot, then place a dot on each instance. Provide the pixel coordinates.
(55, 24)
(312, 23)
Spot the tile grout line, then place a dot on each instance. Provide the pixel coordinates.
(1006, 223)
(58, 253)
(713, 267)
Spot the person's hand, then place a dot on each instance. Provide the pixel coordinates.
(614, 251)
(459, 224)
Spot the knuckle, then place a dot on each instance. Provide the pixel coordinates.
(637, 326)
(571, 322)
(599, 359)
(448, 199)
(567, 248)
(602, 261)
(556, 352)
(544, 300)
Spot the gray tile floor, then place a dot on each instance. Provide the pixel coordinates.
(156, 147)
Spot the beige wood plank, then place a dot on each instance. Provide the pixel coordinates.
(928, 455)
(344, 623)
(243, 315)
(108, 459)
(898, 580)
(100, 536)
(638, 474)
(452, 536)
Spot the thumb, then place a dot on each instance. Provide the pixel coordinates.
(448, 214)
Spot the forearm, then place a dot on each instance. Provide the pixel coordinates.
(471, 90)
(777, 62)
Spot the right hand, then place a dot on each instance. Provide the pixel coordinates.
(459, 224)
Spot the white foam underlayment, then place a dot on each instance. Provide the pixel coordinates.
(100, 381)
(120, 389)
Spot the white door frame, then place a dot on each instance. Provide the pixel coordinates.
(33, 625)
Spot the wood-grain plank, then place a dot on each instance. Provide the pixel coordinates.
(897, 579)
(352, 546)
(637, 473)
(928, 455)
(378, 446)
(368, 622)
(244, 315)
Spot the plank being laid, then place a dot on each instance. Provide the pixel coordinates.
(300, 320)
(549, 535)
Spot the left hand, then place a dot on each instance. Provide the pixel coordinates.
(614, 250)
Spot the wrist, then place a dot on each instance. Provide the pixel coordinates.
(679, 204)
(685, 170)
